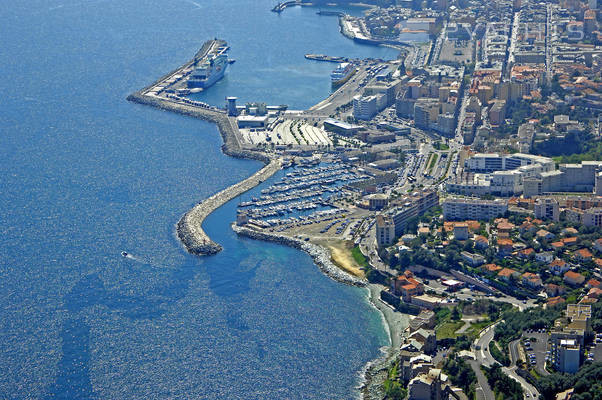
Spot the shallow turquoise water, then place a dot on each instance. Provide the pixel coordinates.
(85, 175)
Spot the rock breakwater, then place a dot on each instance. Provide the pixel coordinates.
(189, 228)
(319, 254)
(226, 126)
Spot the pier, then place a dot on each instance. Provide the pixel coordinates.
(331, 13)
(162, 94)
(278, 8)
(189, 228)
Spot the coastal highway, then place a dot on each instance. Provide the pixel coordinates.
(369, 249)
(341, 96)
(481, 347)
(529, 390)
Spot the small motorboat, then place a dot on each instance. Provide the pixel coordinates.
(124, 254)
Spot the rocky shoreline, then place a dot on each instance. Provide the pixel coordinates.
(189, 228)
(375, 371)
(319, 254)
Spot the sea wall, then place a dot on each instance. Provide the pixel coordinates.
(226, 127)
(189, 228)
(319, 254)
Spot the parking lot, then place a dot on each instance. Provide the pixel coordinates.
(535, 344)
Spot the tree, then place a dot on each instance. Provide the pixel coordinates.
(404, 259)
(455, 315)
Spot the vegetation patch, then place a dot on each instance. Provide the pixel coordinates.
(500, 356)
(447, 330)
(502, 385)
(359, 257)
(461, 374)
(433, 162)
(393, 388)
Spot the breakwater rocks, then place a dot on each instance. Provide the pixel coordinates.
(319, 254)
(227, 128)
(189, 228)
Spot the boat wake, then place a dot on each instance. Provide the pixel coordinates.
(143, 261)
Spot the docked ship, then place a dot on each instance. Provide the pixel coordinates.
(342, 73)
(210, 70)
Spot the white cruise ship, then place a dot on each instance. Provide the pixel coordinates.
(342, 73)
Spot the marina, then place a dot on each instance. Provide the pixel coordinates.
(294, 201)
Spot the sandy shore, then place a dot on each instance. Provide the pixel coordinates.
(340, 253)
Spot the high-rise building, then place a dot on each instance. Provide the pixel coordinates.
(568, 356)
(547, 208)
(385, 231)
(426, 112)
(364, 107)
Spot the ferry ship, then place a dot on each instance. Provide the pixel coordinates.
(210, 71)
(342, 73)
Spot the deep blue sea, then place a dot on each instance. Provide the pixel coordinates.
(85, 175)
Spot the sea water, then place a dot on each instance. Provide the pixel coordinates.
(85, 175)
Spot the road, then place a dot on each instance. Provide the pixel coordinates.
(369, 249)
(344, 94)
(480, 347)
(484, 357)
(513, 42)
(549, 44)
(529, 391)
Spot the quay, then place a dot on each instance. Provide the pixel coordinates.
(331, 13)
(189, 228)
(162, 95)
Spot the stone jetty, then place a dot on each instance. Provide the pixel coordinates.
(189, 228)
(319, 254)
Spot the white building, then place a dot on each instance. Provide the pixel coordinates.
(385, 231)
(364, 107)
(490, 162)
(501, 174)
(456, 208)
(547, 208)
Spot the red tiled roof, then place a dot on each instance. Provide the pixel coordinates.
(557, 263)
(552, 301)
(584, 253)
(506, 226)
(491, 267)
(573, 275)
(569, 240)
(507, 272)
